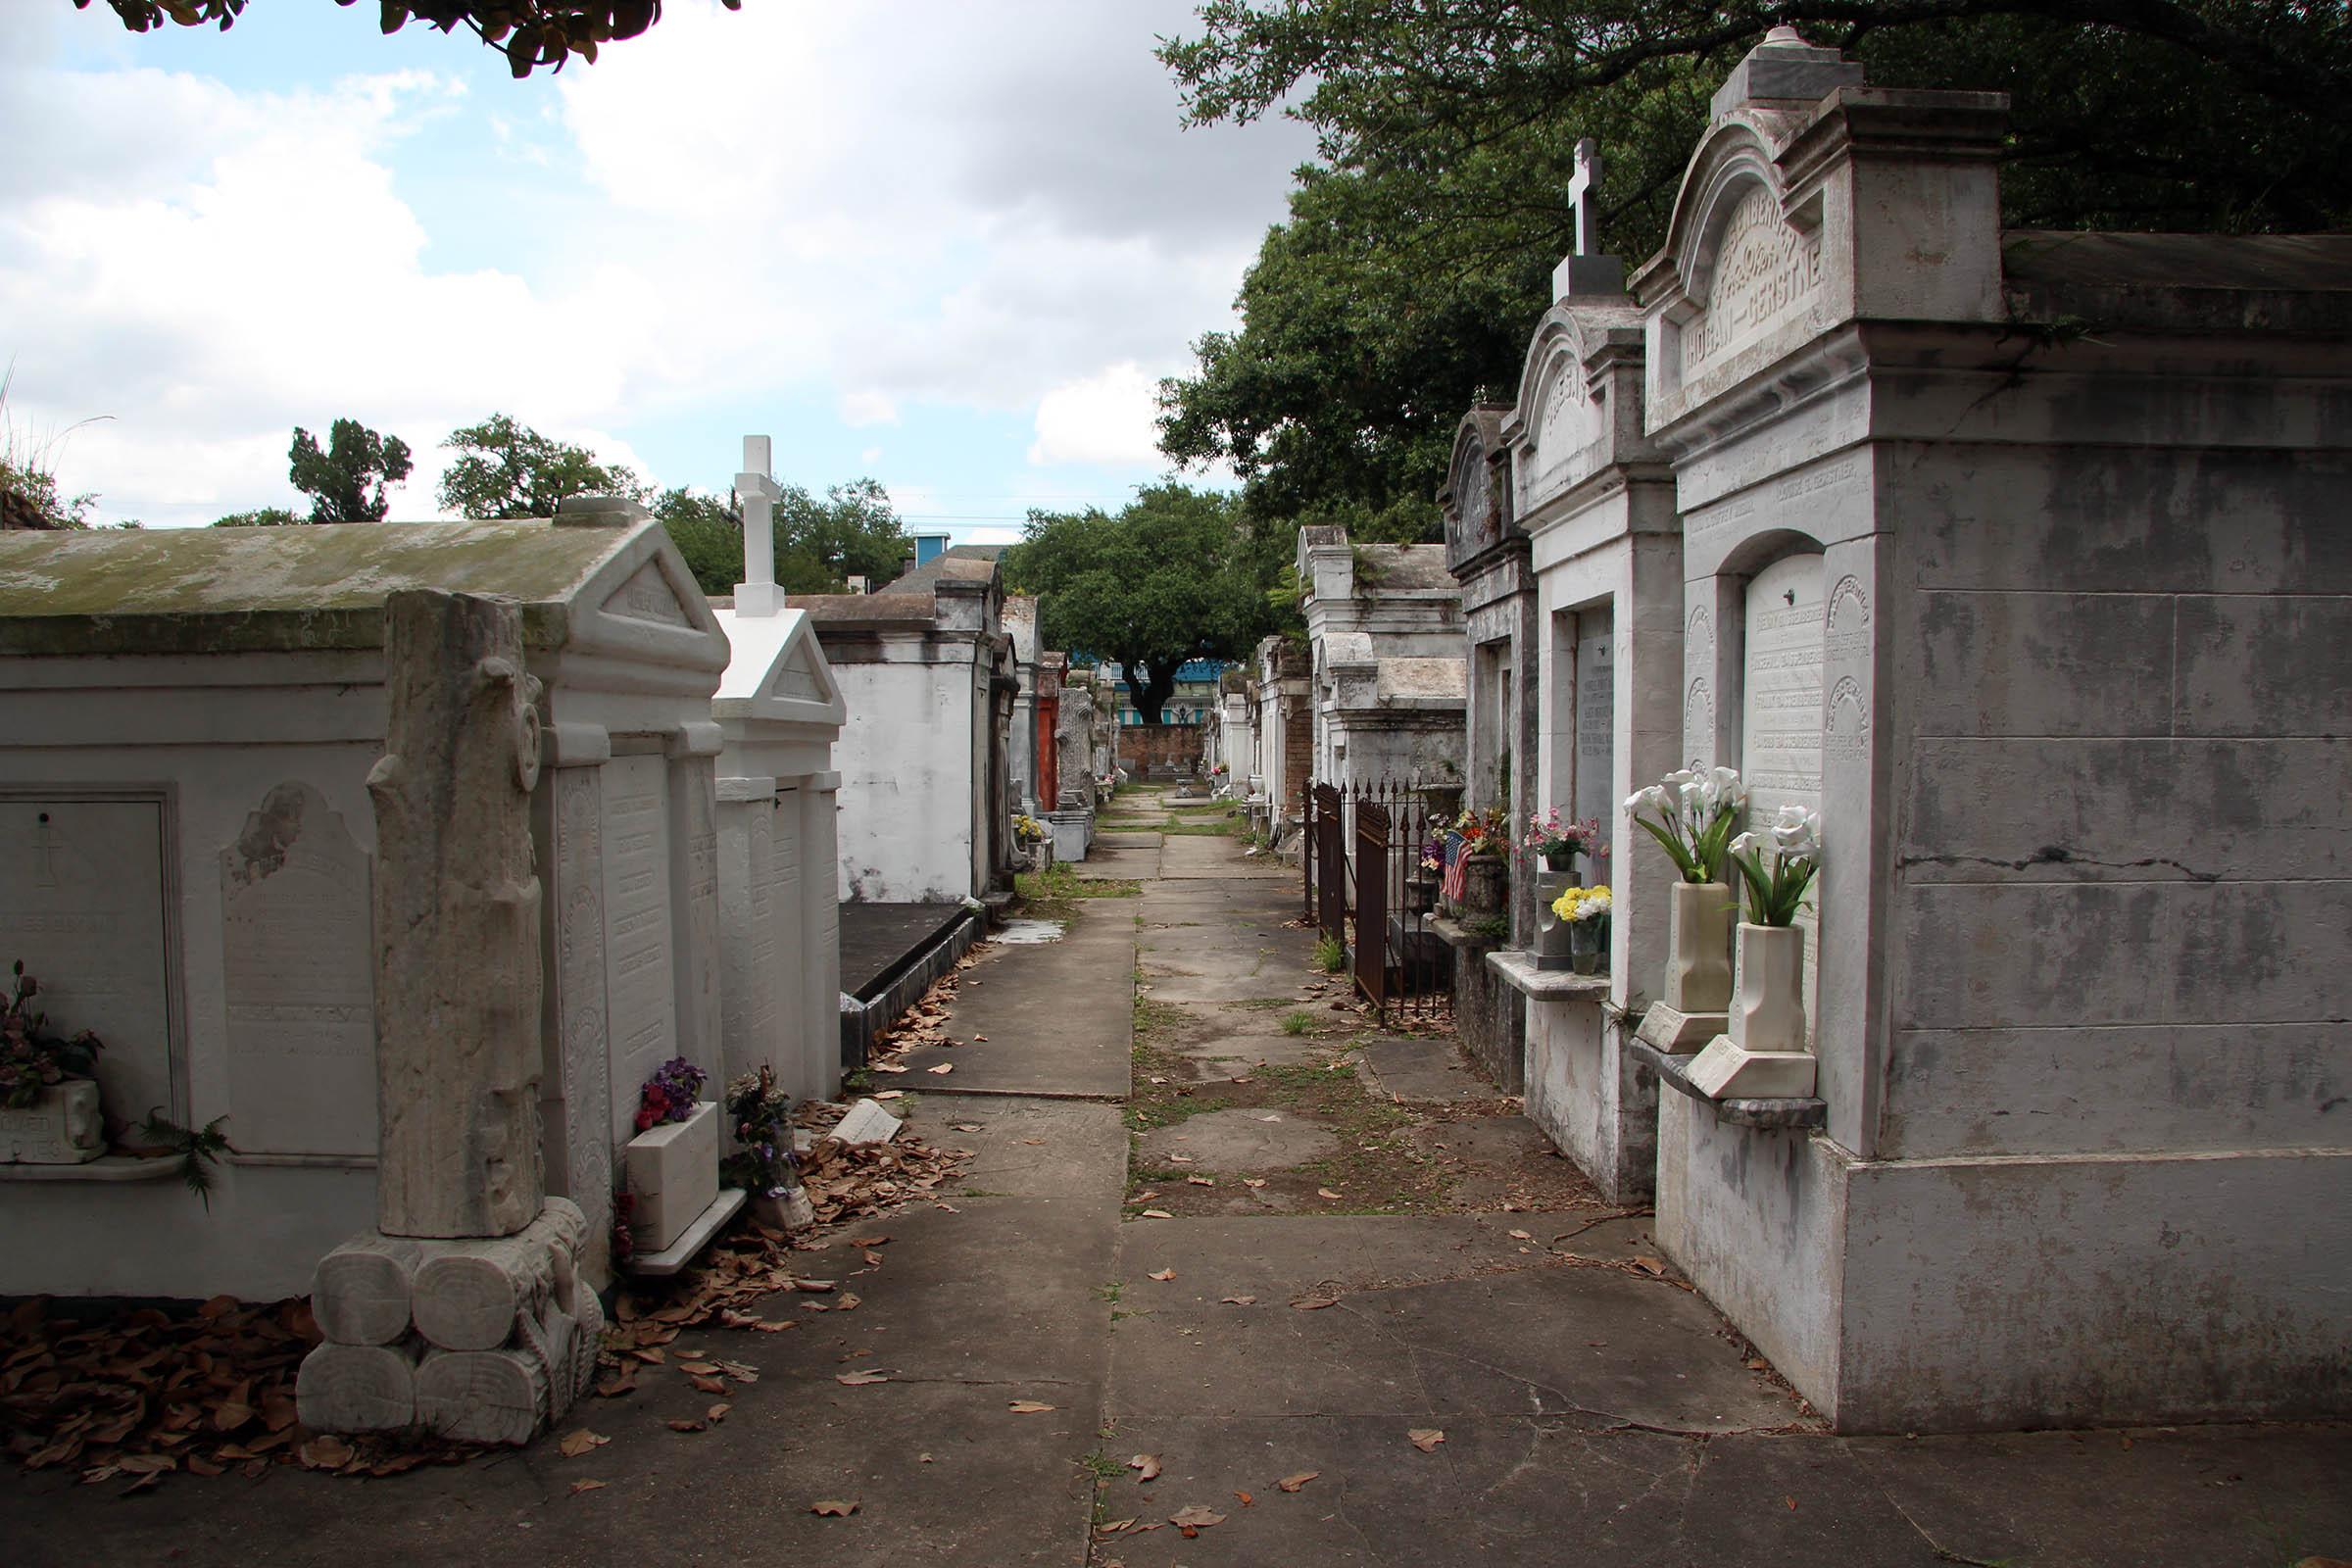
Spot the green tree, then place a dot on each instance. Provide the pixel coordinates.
(347, 482)
(818, 544)
(1172, 577)
(507, 469)
(854, 532)
(1418, 251)
(528, 32)
(261, 517)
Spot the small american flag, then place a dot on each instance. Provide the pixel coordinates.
(1450, 884)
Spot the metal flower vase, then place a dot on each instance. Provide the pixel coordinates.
(1551, 931)
(1588, 945)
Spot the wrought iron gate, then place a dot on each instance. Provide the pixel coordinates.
(1363, 870)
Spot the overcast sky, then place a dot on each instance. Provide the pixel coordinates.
(952, 246)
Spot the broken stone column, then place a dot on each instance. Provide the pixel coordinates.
(463, 1310)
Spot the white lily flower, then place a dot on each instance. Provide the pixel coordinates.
(1743, 844)
(1728, 789)
(1797, 831)
(1677, 778)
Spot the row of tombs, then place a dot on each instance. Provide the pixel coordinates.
(199, 776)
(2023, 560)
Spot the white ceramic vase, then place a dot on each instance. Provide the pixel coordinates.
(1768, 1009)
(1699, 959)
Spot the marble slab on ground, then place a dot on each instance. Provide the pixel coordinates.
(1058, 1019)
(1028, 1147)
(1592, 1345)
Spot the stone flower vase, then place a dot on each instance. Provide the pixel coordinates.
(1485, 882)
(1699, 959)
(1588, 945)
(1553, 940)
(61, 1127)
(1768, 1009)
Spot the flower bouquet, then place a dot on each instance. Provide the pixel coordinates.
(1692, 816)
(32, 1057)
(1586, 913)
(671, 1094)
(1776, 893)
(760, 1113)
(1027, 829)
(1559, 840)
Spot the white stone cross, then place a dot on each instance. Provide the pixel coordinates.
(758, 493)
(1583, 190)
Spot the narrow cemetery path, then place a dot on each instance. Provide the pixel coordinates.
(1217, 1235)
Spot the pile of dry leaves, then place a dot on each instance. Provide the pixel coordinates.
(147, 1393)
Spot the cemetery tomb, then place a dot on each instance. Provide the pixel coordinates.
(1385, 650)
(2048, 635)
(1606, 589)
(196, 713)
(780, 713)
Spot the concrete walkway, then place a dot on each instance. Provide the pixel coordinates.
(1369, 1246)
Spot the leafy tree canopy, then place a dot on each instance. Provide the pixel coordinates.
(1418, 252)
(528, 32)
(1174, 576)
(819, 544)
(507, 469)
(263, 518)
(347, 482)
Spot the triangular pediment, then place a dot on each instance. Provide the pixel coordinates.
(779, 674)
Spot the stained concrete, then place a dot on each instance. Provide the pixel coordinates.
(1056, 1017)
(1430, 1071)
(1239, 1141)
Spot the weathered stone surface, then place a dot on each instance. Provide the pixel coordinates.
(357, 1387)
(472, 1294)
(361, 1290)
(484, 1395)
(673, 1171)
(61, 1127)
(1727, 1071)
(457, 922)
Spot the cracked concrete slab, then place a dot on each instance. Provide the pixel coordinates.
(1239, 1141)
(1042, 1038)
(1425, 1071)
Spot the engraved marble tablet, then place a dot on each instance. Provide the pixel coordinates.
(639, 978)
(297, 978)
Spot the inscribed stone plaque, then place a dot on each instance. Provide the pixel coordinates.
(1780, 709)
(647, 596)
(82, 902)
(642, 1002)
(1766, 273)
(298, 979)
(1596, 726)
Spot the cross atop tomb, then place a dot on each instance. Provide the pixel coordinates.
(758, 492)
(1584, 271)
(1583, 190)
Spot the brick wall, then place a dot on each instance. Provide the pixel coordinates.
(1160, 753)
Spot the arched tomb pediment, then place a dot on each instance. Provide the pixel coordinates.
(1560, 434)
(1743, 257)
(1476, 501)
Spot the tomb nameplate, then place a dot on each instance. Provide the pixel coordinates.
(647, 596)
(298, 980)
(1766, 273)
(639, 977)
(1596, 728)
(1781, 709)
(81, 904)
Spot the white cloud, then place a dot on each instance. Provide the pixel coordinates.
(1106, 418)
(872, 205)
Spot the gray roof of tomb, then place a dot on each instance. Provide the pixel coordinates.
(2183, 282)
(220, 590)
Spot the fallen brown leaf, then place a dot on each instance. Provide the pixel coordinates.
(1193, 1518)
(1650, 1265)
(1145, 1467)
(1292, 1483)
(1426, 1438)
(710, 1385)
(1240, 1300)
(717, 1413)
(1246, 1499)
(945, 1066)
(848, 1301)
(689, 1426)
(1201, 1181)
(1325, 1192)
(860, 1378)
(1164, 1274)
(1310, 1304)
(1253, 1181)
(1158, 1213)
(578, 1486)
(1028, 1407)
(323, 1452)
(835, 1509)
(576, 1443)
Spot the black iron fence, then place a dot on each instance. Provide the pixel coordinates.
(1366, 887)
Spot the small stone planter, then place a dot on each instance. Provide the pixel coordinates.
(1554, 945)
(1762, 1056)
(673, 1171)
(1698, 967)
(61, 1127)
(1588, 945)
(1485, 883)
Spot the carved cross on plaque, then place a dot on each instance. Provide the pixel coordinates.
(45, 845)
(1583, 190)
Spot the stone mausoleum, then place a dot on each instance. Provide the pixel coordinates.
(2022, 558)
